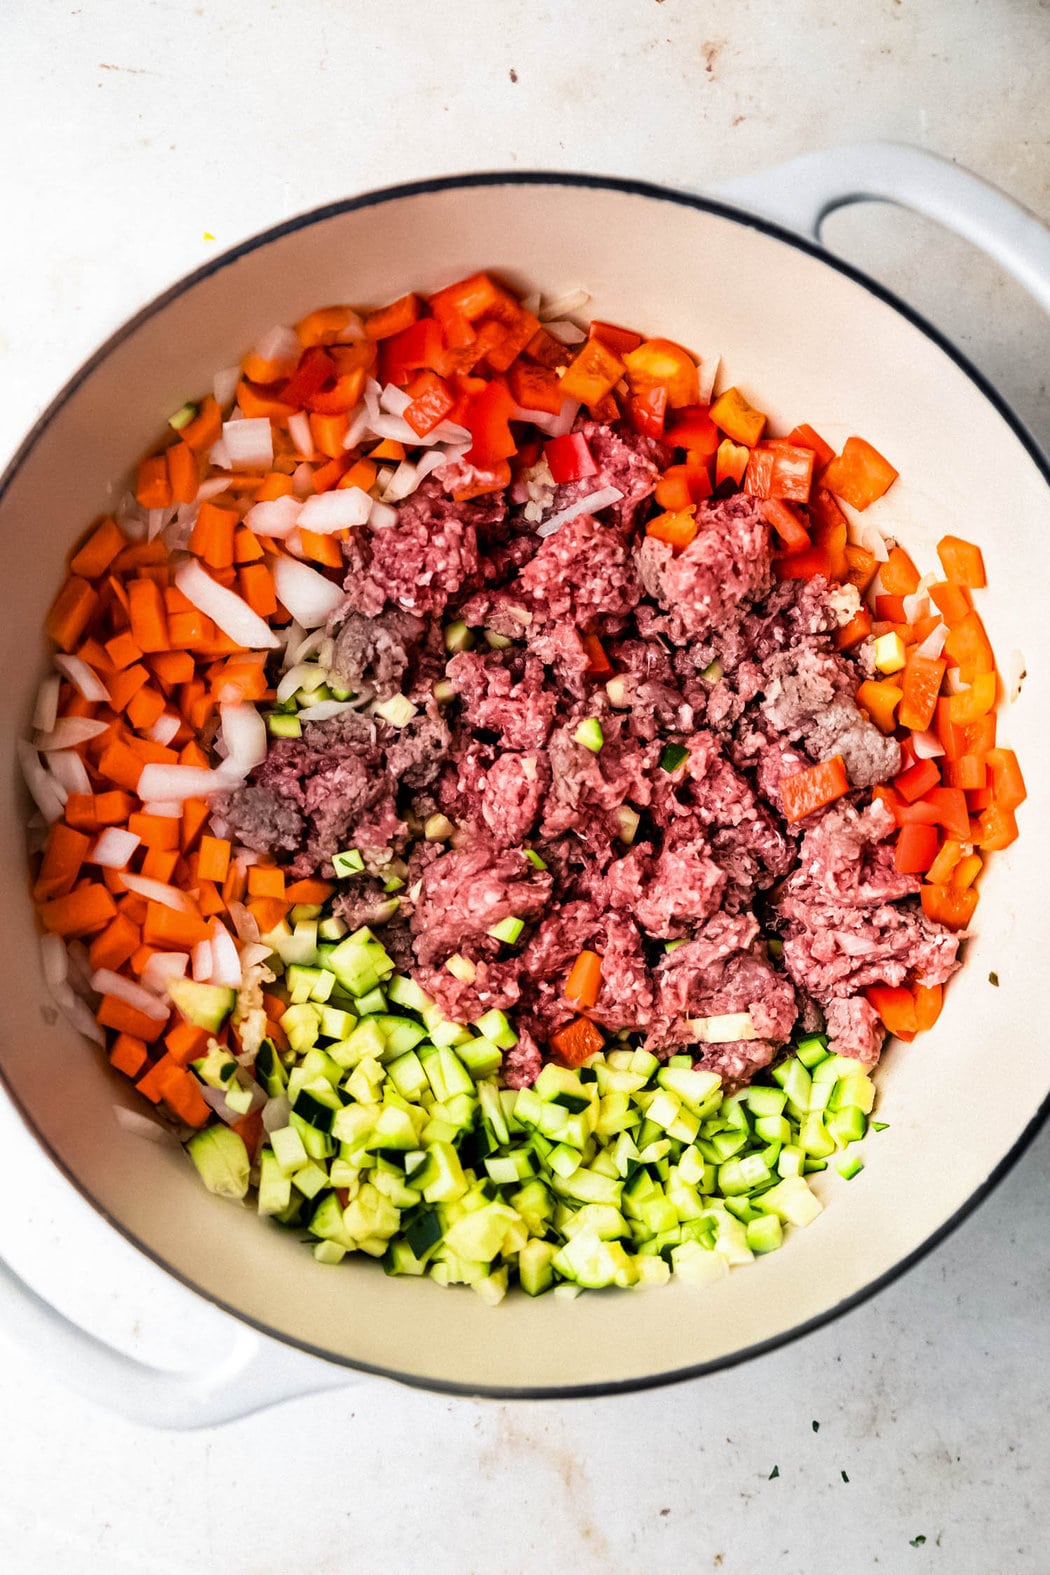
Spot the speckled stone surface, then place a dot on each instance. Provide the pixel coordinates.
(139, 136)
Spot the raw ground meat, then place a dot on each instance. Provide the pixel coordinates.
(706, 651)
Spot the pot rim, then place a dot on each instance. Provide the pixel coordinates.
(660, 193)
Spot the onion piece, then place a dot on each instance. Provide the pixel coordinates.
(447, 432)
(564, 305)
(45, 712)
(396, 428)
(219, 456)
(255, 953)
(304, 675)
(233, 615)
(280, 344)
(160, 891)
(303, 481)
(553, 426)
(164, 728)
(47, 792)
(324, 710)
(84, 679)
(707, 374)
(244, 734)
(358, 426)
(593, 504)
(69, 769)
(382, 516)
(162, 968)
(175, 783)
(202, 962)
(564, 331)
(405, 480)
(106, 982)
(163, 807)
(246, 925)
(224, 385)
(342, 509)
(113, 848)
(249, 442)
(933, 644)
(308, 596)
(156, 520)
(68, 732)
(300, 433)
(394, 400)
(226, 960)
(211, 488)
(927, 746)
(54, 960)
(867, 535)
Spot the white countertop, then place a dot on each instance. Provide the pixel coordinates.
(134, 132)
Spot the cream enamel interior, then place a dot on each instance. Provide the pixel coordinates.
(809, 343)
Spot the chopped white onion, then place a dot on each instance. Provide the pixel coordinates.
(78, 1014)
(175, 783)
(219, 456)
(590, 505)
(382, 516)
(568, 333)
(308, 647)
(226, 960)
(396, 428)
(324, 710)
(249, 442)
(280, 344)
(404, 481)
(448, 432)
(916, 606)
(953, 682)
(114, 848)
(352, 331)
(437, 458)
(202, 962)
(160, 891)
(232, 614)
(933, 644)
(244, 734)
(553, 426)
(156, 520)
(211, 488)
(867, 535)
(532, 303)
(54, 960)
(304, 675)
(563, 305)
(224, 385)
(290, 638)
(927, 746)
(69, 732)
(246, 925)
(341, 509)
(707, 372)
(300, 434)
(164, 728)
(308, 596)
(274, 516)
(255, 953)
(358, 426)
(69, 769)
(106, 982)
(162, 968)
(48, 794)
(45, 712)
(84, 679)
(164, 807)
(394, 400)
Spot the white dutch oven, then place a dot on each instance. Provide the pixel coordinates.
(812, 340)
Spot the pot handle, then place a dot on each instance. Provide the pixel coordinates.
(801, 193)
(251, 1373)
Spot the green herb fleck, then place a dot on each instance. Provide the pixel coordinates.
(845, 1478)
(917, 1542)
(993, 978)
(674, 755)
(534, 859)
(815, 1426)
(774, 1473)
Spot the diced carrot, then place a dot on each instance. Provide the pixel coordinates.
(859, 474)
(97, 553)
(128, 1054)
(268, 912)
(259, 400)
(152, 487)
(274, 1007)
(805, 791)
(209, 898)
(309, 891)
(250, 1130)
(114, 882)
(235, 886)
(329, 432)
(732, 414)
(113, 1012)
(183, 475)
(971, 704)
(151, 1084)
(159, 864)
(213, 533)
(361, 474)
(947, 905)
(805, 437)
(968, 646)
(116, 944)
(172, 667)
(895, 1005)
(195, 813)
(246, 548)
(236, 681)
(144, 708)
(858, 628)
(929, 999)
(205, 429)
(64, 854)
(170, 928)
(265, 880)
(921, 684)
(952, 601)
(181, 1093)
(71, 612)
(962, 562)
(214, 858)
(185, 1042)
(677, 530)
(880, 700)
(255, 583)
(80, 912)
(122, 764)
(899, 575)
(321, 549)
(576, 1042)
(584, 983)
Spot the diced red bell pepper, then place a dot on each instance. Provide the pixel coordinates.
(598, 663)
(569, 458)
(681, 486)
(805, 437)
(917, 780)
(852, 633)
(948, 905)
(315, 368)
(787, 524)
(1007, 784)
(388, 320)
(916, 849)
(420, 347)
(647, 412)
(921, 684)
(487, 417)
(949, 805)
(691, 428)
(618, 339)
(432, 399)
(895, 1005)
(792, 473)
(731, 462)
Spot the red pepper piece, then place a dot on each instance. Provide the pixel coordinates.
(569, 458)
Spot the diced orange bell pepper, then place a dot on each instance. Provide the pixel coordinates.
(592, 373)
(662, 363)
(962, 562)
(880, 700)
(740, 421)
(948, 906)
(859, 474)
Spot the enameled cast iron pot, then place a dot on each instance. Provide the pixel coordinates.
(814, 340)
